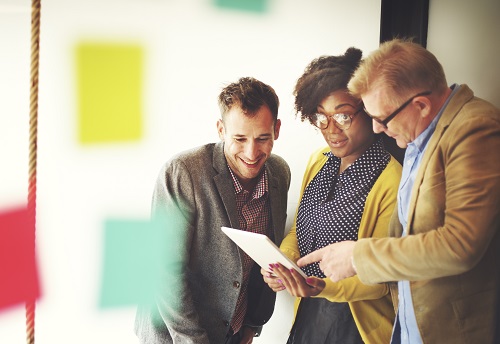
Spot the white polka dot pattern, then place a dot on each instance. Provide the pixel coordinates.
(332, 204)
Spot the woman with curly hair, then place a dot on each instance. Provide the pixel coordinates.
(348, 192)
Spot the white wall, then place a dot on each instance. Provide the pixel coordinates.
(192, 49)
(464, 37)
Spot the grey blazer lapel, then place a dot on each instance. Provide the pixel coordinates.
(277, 210)
(222, 180)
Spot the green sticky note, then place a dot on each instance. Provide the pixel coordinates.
(109, 86)
(140, 259)
(244, 5)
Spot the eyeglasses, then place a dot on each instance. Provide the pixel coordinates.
(340, 120)
(398, 110)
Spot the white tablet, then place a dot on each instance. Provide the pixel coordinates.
(260, 248)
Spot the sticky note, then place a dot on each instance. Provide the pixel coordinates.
(18, 271)
(243, 5)
(137, 254)
(109, 89)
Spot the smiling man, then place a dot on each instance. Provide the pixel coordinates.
(216, 294)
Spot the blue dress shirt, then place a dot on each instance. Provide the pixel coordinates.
(406, 329)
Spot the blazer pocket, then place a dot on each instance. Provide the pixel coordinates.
(474, 314)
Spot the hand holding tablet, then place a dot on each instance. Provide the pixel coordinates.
(261, 249)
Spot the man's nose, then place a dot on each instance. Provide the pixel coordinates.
(377, 127)
(251, 150)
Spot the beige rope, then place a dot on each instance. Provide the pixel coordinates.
(35, 50)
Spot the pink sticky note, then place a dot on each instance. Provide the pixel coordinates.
(18, 272)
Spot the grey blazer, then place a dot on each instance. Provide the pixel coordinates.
(196, 302)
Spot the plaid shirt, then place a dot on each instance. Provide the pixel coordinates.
(254, 215)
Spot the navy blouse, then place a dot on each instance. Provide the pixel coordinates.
(332, 204)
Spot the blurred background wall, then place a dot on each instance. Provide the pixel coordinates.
(190, 49)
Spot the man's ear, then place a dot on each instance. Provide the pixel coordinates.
(424, 104)
(277, 127)
(220, 129)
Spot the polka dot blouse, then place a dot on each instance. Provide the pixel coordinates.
(332, 204)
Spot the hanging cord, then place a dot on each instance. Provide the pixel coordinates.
(35, 50)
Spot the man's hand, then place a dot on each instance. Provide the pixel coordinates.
(297, 285)
(335, 260)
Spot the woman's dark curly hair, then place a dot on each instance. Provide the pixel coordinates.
(323, 76)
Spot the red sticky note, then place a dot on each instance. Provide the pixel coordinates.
(18, 272)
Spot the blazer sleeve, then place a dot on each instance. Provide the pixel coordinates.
(455, 205)
(174, 198)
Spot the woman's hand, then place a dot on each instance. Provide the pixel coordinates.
(295, 284)
(272, 281)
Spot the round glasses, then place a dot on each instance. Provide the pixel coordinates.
(341, 120)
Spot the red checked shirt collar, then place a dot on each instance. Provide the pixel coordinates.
(260, 189)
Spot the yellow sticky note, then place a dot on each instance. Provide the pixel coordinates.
(109, 85)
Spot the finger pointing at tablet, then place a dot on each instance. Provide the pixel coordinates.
(313, 257)
(335, 260)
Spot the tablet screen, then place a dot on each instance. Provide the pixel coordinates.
(261, 249)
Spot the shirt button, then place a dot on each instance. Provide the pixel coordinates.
(236, 284)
